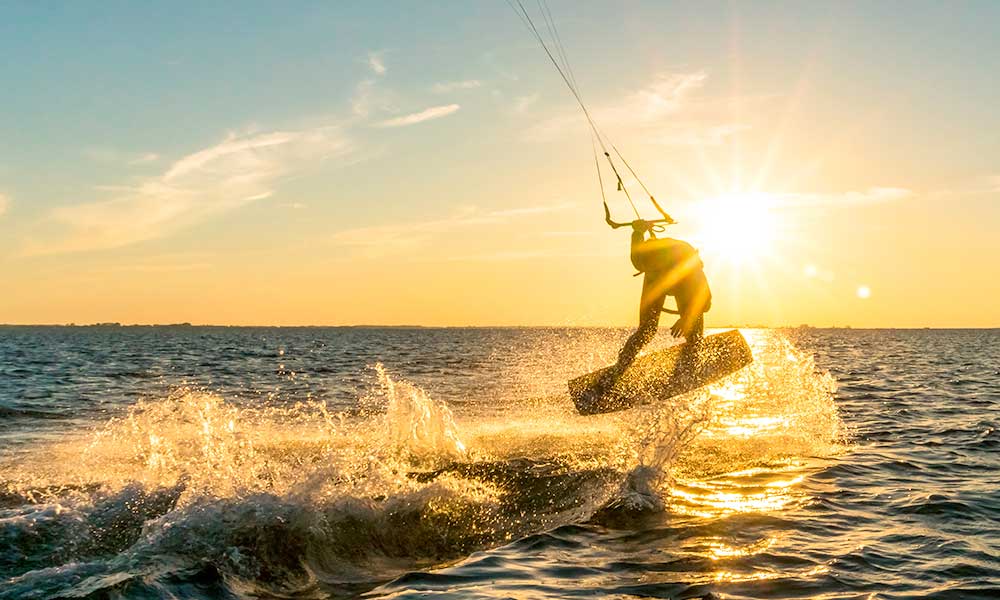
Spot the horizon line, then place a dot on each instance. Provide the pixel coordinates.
(113, 325)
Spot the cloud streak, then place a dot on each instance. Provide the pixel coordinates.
(110, 155)
(197, 187)
(521, 104)
(240, 169)
(645, 108)
(453, 86)
(385, 239)
(696, 133)
(434, 112)
(874, 195)
(147, 157)
(668, 111)
(365, 97)
(376, 63)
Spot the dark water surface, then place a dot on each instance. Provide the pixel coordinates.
(191, 462)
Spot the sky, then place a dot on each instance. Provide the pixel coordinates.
(390, 163)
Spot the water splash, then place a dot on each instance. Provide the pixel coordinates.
(660, 433)
(281, 498)
(291, 498)
(781, 406)
(772, 424)
(418, 426)
(761, 419)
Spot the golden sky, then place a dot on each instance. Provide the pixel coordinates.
(342, 167)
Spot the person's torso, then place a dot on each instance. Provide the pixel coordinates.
(672, 261)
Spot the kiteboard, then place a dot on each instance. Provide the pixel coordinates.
(663, 374)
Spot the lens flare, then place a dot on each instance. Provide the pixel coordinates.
(739, 228)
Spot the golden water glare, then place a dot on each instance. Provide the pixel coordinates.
(755, 421)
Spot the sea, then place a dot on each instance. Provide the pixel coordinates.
(223, 462)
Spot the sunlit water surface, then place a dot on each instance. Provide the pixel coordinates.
(405, 463)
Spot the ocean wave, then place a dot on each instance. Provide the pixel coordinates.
(194, 495)
(12, 412)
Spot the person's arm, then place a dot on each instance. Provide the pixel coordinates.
(639, 229)
(683, 325)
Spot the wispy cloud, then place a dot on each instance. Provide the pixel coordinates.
(385, 239)
(568, 234)
(171, 262)
(147, 157)
(665, 111)
(696, 133)
(874, 195)
(111, 155)
(521, 104)
(367, 95)
(662, 97)
(452, 86)
(201, 185)
(161, 268)
(376, 63)
(989, 184)
(434, 112)
(363, 98)
(503, 256)
(524, 211)
(983, 184)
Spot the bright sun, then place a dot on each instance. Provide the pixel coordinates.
(738, 228)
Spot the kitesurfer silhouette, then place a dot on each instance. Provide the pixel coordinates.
(670, 268)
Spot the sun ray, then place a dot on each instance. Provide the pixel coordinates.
(737, 228)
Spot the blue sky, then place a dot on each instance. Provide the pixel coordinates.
(270, 134)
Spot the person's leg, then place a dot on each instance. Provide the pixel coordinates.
(650, 306)
(697, 331)
(693, 328)
(693, 301)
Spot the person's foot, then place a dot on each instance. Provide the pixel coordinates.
(610, 377)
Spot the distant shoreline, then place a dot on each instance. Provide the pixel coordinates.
(112, 326)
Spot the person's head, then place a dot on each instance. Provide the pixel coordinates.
(639, 225)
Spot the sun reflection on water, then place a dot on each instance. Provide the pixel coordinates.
(750, 456)
(733, 577)
(765, 488)
(772, 425)
(720, 550)
(714, 499)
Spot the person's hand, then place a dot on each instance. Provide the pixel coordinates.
(677, 329)
(640, 225)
